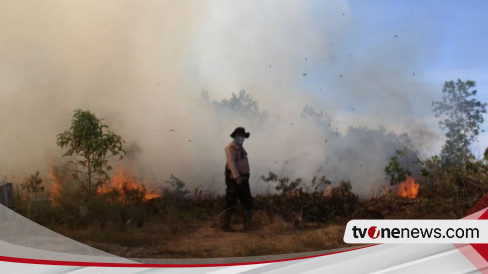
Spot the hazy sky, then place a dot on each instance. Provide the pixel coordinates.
(450, 37)
(142, 66)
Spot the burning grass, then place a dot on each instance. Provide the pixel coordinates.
(121, 218)
(125, 187)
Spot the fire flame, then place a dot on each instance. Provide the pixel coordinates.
(408, 189)
(122, 180)
(55, 183)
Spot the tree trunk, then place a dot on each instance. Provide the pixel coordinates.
(89, 174)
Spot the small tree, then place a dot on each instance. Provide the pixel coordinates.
(33, 184)
(90, 143)
(395, 170)
(462, 117)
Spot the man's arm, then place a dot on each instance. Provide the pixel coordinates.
(231, 157)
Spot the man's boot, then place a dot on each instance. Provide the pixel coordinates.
(248, 220)
(226, 220)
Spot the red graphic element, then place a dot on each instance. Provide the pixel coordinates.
(481, 204)
(373, 232)
(477, 254)
(231, 148)
(100, 264)
(482, 248)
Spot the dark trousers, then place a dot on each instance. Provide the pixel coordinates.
(236, 192)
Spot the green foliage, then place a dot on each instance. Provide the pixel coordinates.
(462, 116)
(395, 171)
(467, 182)
(431, 167)
(33, 184)
(91, 144)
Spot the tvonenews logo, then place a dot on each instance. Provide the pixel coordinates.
(416, 231)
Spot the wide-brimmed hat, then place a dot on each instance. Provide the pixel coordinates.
(240, 131)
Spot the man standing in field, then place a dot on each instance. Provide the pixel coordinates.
(237, 178)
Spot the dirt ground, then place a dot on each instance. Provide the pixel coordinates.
(189, 236)
(207, 240)
(211, 242)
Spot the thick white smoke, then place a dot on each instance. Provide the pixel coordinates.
(142, 67)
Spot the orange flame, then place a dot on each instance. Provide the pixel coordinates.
(408, 189)
(122, 180)
(55, 182)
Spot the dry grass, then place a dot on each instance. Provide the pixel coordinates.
(157, 240)
(292, 222)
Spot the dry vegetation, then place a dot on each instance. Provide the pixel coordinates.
(124, 218)
(298, 217)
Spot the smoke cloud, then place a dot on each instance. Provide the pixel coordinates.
(142, 68)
